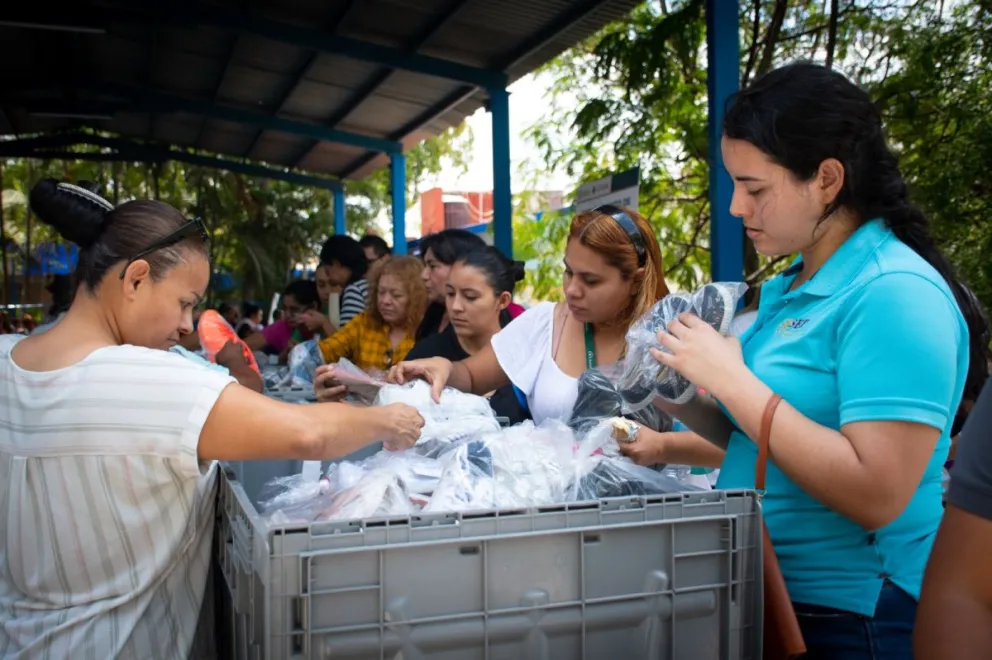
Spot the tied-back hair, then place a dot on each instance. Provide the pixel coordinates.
(106, 236)
(601, 233)
(407, 270)
(803, 114)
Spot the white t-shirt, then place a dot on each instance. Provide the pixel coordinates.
(524, 349)
(106, 515)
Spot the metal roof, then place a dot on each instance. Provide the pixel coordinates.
(328, 87)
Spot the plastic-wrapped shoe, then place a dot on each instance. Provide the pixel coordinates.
(599, 399)
(713, 303)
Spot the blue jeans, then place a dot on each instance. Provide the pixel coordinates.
(838, 635)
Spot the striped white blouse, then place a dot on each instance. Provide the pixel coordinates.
(106, 515)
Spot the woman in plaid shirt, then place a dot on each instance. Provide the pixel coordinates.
(385, 332)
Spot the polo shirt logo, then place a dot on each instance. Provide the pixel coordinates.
(791, 327)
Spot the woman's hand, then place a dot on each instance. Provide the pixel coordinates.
(402, 424)
(701, 354)
(647, 449)
(231, 356)
(317, 322)
(325, 386)
(435, 371)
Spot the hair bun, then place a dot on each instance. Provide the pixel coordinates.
(77, 214)
(519, 270)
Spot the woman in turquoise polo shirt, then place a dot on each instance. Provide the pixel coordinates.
(866, 339)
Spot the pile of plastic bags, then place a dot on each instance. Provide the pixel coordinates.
(464, 461)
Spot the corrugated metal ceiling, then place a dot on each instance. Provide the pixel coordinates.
(244, 55)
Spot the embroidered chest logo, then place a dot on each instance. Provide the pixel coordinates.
(792, 327)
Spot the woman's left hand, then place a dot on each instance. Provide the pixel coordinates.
(326, 387)
(701, 354)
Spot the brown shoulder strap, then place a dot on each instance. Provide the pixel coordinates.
(761, 468)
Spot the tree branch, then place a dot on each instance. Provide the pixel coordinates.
(759, 274)
(755, 42)
(771, 37)
(832, 34)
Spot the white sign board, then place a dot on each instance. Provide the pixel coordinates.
(618, 189)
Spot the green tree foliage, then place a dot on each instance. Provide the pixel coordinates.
(260, 228)
(635, 94)
(938, 110)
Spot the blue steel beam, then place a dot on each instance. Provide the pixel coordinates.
(397, 185)
(128, 151)
(148, 100)
(499, 106)
(287, 91)
(722, 80)
(340, 210)
(444, 105)
(447, 13)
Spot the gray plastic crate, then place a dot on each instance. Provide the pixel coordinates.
(661, 578)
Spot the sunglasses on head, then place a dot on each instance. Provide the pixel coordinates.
(189, 230)
(629, 226)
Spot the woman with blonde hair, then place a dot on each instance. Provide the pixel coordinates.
(385, 332)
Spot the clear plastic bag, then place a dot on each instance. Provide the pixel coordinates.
(642, 376)
(467, 482)
(303, 362)
(599, 471)
(295, 498)
(362, 387)
(457, 417)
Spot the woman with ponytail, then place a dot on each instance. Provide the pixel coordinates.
(852, 372)
(613, 275)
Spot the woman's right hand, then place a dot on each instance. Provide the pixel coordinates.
(401, 425)
(435, 371)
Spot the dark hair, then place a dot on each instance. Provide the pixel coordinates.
(501, 273)
(106, 235)
(449, 245)
(249, 309)
(377, 244)
(225, 307)
(62, 290)
(348, 252)
(803, 114)
(304, 292)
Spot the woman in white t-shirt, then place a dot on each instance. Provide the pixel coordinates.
(108, 444)
(613, 275)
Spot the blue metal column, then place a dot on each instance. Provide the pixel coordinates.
(397, 180)
(499, 106)
(723, 79)
(340, 226)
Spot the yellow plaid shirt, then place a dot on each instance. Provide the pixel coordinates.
(366, 343)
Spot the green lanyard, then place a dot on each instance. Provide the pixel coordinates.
(590, 347)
